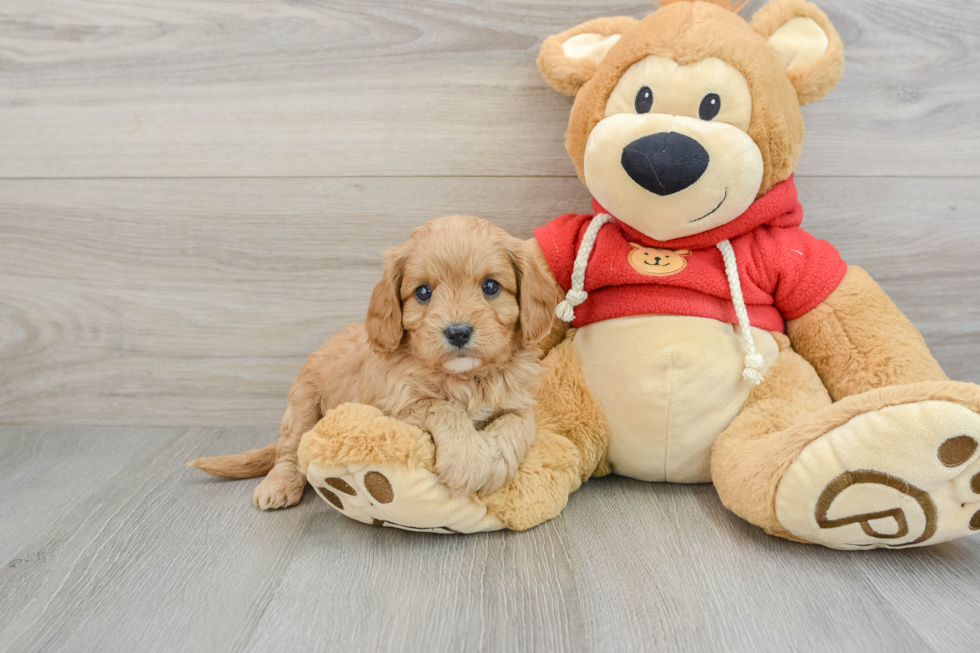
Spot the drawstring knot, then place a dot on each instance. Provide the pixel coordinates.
(576, 294)
(566, 309)
(754, 362)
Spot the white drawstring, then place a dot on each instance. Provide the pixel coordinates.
(754, 362)
(576, 294)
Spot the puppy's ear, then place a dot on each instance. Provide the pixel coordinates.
(568, 60)
(537, 291)
(384, 316)
(809, 47)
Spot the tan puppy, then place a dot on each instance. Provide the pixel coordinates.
(449, 344)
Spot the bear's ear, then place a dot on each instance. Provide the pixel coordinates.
(568, 60)
(808, 45)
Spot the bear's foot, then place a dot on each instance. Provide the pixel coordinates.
(380, 471)
(410, 499)
(904, 474)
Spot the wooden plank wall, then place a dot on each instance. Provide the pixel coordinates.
(195, 194)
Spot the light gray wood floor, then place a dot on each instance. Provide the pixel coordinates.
(194, 195)
(109, 544)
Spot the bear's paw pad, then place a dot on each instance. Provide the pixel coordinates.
(902, 476)
(399, 497)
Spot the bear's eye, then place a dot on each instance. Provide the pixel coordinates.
(423, 293)
(710, 106)
(644, 100)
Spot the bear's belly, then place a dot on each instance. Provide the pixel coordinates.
(668, 385)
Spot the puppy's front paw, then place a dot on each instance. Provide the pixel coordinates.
(279, 490)
(461, 483)
(466, 470)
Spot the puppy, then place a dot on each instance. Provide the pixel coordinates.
(450, 344)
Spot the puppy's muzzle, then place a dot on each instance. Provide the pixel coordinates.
(665, 163)
(458, 334)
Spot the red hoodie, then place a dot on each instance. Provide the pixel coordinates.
(784, 271)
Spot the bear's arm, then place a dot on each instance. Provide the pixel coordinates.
(858, 340)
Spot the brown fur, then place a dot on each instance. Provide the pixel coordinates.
(573, 436)
(249, 464)
(396, 360)
(559, 328)
(567, 76)
(814, 81)
(858, 340)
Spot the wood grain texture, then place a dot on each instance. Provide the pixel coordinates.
(194, 302)
(207, 88)
(195, 193)
(148, 555)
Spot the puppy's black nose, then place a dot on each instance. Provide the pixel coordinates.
(665, 163)
(458, 334)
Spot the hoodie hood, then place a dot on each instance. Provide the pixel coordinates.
(777, 208)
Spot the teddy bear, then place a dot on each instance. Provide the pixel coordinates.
(702, 334)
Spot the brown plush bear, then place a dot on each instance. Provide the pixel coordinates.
(714, 339)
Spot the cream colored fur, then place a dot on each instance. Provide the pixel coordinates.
(727, 188)
(654, 393)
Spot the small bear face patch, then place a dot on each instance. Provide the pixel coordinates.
(655, 262)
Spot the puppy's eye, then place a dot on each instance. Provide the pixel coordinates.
(423, 293)
(644, 100)
(710, 106)
(491, 288)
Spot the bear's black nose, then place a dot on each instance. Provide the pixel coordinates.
(665, 163)
(458, 334)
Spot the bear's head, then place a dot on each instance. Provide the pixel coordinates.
(682, 119)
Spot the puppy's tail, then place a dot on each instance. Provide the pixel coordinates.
(250, 464)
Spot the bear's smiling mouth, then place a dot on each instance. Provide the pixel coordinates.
(714, 209)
